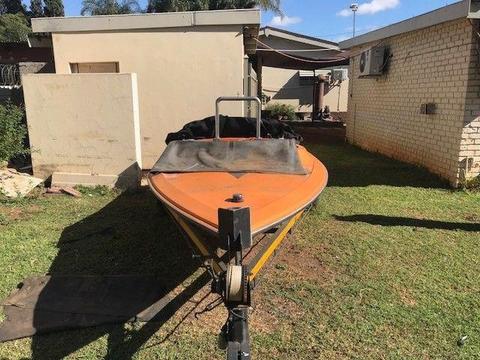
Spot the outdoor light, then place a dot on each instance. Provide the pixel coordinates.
(354, 8)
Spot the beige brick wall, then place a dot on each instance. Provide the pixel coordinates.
(432, 65)
(470, 141)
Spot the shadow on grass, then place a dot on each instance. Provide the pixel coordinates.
(126, 237)
(350, 166)
(410, 222)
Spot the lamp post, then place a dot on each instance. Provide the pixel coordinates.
(354, 8)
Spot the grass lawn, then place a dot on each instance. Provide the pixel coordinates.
(387, 266)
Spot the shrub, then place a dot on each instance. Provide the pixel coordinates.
(12, 132)
(473, 184)
(281, 111)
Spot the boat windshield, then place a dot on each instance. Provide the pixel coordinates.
(223, 155)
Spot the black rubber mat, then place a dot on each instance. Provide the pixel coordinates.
(51, 303)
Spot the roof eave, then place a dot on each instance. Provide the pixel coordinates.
(288, 35)
(447, 13)
(146, 21)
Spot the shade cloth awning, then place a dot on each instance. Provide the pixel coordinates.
(284, 49)
(276, 60)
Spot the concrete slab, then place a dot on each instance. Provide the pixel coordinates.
(15, 184)
(71, 179)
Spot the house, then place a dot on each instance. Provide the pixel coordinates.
(123, 82)
(296, 83)
(420, 102)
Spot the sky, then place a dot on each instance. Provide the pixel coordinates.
(329, 19)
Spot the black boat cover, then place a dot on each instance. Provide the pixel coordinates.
(234, 127)
(249, 155)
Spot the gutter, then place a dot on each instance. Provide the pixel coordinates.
(146, 21)
(451, 12)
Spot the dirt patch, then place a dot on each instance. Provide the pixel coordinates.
(17, 213)
(406, 296)
(262, 317)
(285, 306)
(271, 311)
(473, 217)
(194, 310)
(300, 263)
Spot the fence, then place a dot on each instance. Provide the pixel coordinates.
(9, 75)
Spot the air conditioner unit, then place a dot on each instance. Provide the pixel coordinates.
(373, 61)
(340, 75)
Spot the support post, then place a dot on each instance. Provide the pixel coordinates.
(321, 95)
(314, 96)
(259, 71)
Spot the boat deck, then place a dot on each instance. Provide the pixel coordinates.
(271, 198)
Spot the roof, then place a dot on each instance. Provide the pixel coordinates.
(289, 35)
(146, 21)
(447, 13)
(285, 49)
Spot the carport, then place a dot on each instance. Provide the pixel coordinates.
(281, 49)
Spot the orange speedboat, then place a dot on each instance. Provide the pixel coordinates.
(275, 178)
(224, 191)
(272, 197)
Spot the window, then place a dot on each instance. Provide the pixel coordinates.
(95, 67)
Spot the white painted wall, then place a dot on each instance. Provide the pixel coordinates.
(84, 124)
(181, 71)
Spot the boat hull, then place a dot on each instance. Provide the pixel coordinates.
(272, 198)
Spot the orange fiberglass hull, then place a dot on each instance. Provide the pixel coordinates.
(272, 198)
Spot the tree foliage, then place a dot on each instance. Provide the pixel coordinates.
(11, 7)
(36, 8)
(109, 7)
(272, 5)
(112, 7)
(12, 132)
(173, 5)
(14, 28)
(54, 8)
(194, 5)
